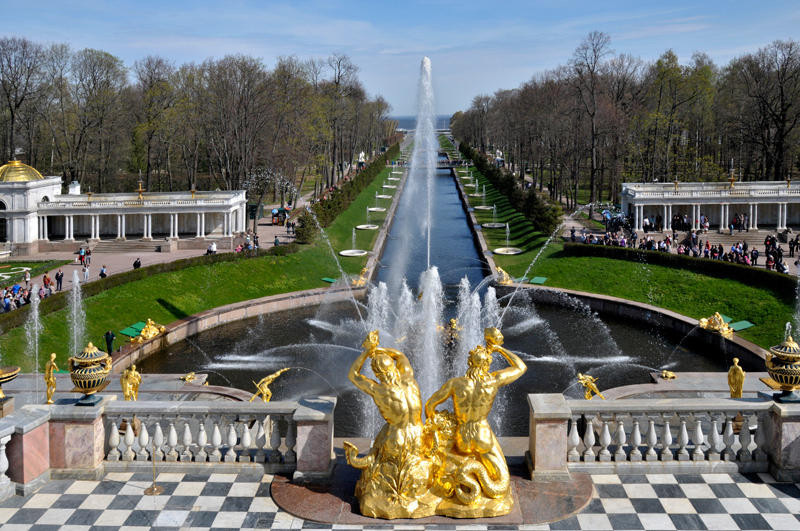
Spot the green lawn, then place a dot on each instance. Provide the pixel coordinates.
(688, 293)
(169, 296)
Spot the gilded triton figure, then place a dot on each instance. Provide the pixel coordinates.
(473, 477)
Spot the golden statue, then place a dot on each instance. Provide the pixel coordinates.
(736, 379)
(129, 381)
(361, 281)
(188, 377)
(396, 476)
(588, 383)
(503, 278)
(50, 377)
(263, 386)
(150, 330)
(716, 323)
(667, 375)
(472, 476)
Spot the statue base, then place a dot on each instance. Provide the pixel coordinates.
(784, 397)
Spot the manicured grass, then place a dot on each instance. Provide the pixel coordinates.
(169, 296)
(37, 268)
(692, 294)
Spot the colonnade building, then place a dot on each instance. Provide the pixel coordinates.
(36, 216)
(768, 205)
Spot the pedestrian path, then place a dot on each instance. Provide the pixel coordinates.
(243, 501)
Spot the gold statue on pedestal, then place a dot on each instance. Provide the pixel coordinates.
(50, 377)
(263, 386)
(716, 323)
(361, 280)
(129, 381)
(452, 465)
(503, 278)
(588, 383)
(736, 379)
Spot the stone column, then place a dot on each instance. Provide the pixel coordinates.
(119, 226)
(198, 225)
(547, 442)
(722, 223)
(46, 228)
(637, 217)
(177, 231)
(314, 420)
(202, 224)
(124, 218)
(780, 217)
(70, 234)
(750, 216)
(225, 217)
(755, 217)
(785, 215)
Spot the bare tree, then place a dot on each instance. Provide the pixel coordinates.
(20, 78)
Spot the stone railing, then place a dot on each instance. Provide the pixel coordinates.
(671, 435)
(136, 203)
(204, 432)
(710, 190)
(39, 442)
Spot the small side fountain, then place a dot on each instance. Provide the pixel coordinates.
(507, 250)
(494, 224)
(368, 225)
(353, 251)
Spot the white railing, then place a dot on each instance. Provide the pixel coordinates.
(711, 190)
(135, 203)
(205, 432)
(634, 431)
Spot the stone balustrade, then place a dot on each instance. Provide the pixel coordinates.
(204, 432)
(666, 435)
(39, 442)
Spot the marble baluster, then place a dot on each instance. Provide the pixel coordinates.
(230, 455)
(129, 438)
(5, 481)
(113, 443)
(636, 441)
(605, 440)
(291, 440)
(715, 441)
(573, 441)
(202, 440)
(651, 439)
(699, 440)
(729, 438)
(247, 443)
(216, 443)
(759, 440)
(172, 443)
(158, 442)
(620, 439)
(744, 454)
(666, 440)
(588, 441)
(187, 455)
(144, 441)
(683, 441)
(275, 443)
(261, 442)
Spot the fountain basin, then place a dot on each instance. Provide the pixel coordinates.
(393, 178)
(508, 250)
(367, 226)
(493, 225)
(390, 186)
(476, 195)
(354, 252)
(484, 207)
(384, 196)
(376, 209)
(397, 173)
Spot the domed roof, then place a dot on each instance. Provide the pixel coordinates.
(17, 172)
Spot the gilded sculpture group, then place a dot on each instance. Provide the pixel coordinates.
(451, 464)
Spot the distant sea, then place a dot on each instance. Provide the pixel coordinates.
(410, 122)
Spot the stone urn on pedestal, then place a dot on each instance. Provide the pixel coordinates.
(89, 372)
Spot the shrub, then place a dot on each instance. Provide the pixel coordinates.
(306, 230)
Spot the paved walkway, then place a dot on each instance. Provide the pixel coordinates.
(243, 501)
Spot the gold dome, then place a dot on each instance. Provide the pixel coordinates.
(17, 172)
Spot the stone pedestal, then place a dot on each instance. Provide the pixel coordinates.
(28, 450)
(77, 442)
(314, 448)
(547, 453)
(783, 442)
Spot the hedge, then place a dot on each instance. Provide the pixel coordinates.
(783, 285)
(544, 216)
(339, 199)
(59, 300)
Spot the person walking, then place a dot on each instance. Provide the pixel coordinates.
(28, 279)
(59, 279)
(86, 273)
(109, 337)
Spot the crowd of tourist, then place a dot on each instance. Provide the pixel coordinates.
(620, 235)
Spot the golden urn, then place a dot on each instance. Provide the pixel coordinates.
(6, 375)
(89, 370)
(783, 366)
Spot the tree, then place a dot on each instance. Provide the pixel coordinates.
(20, 78)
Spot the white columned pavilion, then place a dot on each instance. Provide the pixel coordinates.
(775, 204)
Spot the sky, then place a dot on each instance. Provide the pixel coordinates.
(475, 47)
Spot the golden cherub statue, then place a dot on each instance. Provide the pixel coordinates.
(588, 383)
(503, 278)
(361, 280)
(129, 381)
(263, 386)
(667, 375)
(50, 377)
(736, 379)
(150, 330)
(188, 377)
(716, 323)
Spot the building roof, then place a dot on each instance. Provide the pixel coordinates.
(17, 172)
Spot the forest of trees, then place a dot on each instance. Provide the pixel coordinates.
(228, 123)
(603, 119)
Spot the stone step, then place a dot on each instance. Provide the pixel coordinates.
(127, 246)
